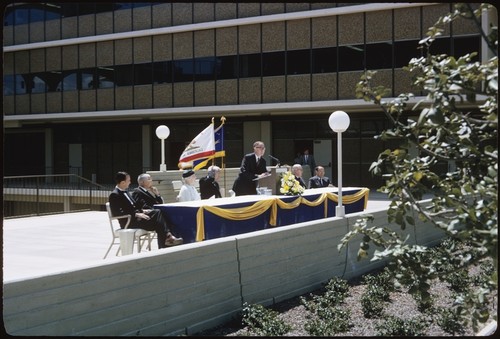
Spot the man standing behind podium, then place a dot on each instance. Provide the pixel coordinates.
(253, 166)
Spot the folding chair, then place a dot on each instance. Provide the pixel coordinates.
(141, 235)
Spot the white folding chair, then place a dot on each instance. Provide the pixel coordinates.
(140, 236)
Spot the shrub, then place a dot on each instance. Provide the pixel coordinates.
(450, 321)
(263, 321)
(338, 321)
(394, 326)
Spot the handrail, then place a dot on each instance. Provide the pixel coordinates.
(29, 195)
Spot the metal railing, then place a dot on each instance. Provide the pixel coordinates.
(51, 194)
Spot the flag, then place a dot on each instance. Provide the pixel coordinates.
(200, 148)
(219, 141)
(219, 149)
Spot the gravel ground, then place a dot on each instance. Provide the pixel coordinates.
(401, 305)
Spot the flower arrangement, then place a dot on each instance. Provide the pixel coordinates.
(290, 185)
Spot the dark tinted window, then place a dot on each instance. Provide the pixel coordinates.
(183, 70)
(324, 60)
(143, 74)
(273, 63)
(351, 58)
(249, 65)
(298, 62)
(379, 56)
(466, 45)
(204, 68)
(124, 75)
(162, 72)
(404, 51)
(227, 67)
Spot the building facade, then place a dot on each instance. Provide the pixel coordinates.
(87, 84)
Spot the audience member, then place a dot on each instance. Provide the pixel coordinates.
(209, 185)
(253, 166)
(319, 180)
(146, 195)
(122, 203)
(188, 192)
(297, 171)
(308, 159)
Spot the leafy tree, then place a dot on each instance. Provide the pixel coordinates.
(457, 124)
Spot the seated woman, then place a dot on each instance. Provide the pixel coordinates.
(188, 192)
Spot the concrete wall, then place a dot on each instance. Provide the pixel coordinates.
(189, 288)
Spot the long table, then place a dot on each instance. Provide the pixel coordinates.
(215, 218)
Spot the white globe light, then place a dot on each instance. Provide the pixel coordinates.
(162, 132)
(339, 121)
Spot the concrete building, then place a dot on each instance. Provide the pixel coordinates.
(86, 84)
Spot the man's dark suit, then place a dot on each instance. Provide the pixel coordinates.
(209, 187)
(244, 184)
(317, 182)
(309, 161)
(146, 199)
(121, 205)
(301, 181)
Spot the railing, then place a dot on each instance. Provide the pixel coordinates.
(50, 194)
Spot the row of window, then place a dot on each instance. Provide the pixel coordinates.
(307, 61)
(25, 13)
(20, 14)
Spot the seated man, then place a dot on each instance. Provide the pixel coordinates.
(319, 180)
(146, 195)
(297, 171)
(188, 192)
(209, 185)
(122, 203)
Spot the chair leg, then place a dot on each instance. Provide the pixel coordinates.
(109, 249)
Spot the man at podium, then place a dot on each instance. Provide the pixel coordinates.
(253, 167)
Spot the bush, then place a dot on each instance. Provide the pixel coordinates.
(262, 321)
(394, 326)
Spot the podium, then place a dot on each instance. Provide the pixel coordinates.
(273, 181)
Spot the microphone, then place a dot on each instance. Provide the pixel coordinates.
(275, 159)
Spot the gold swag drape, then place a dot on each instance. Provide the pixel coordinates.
(262, 206)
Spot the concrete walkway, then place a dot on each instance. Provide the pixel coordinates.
(44, 245)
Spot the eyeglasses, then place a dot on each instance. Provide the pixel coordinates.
(259, 147)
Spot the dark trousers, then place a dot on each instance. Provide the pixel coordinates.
(156, 223)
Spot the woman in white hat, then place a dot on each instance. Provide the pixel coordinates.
(188, 192)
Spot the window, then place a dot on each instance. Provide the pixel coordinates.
(143, 74)
(273, 63)
(87, 79)
(183, 70)
(466, 45)
(379, 56)
(298, 62)
(227, 67)
(105, 77)
(162, 72)
(324, 60)
(124, 75)
(404, 51)
(69, 81)
(250, 65)
(204, 68)
(351, 58)
(14, 84)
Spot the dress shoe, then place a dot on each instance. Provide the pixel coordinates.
(173, 241)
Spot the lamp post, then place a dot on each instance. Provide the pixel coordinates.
(162, 132)
(339, 121)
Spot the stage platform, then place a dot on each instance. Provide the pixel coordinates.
(44, 245)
